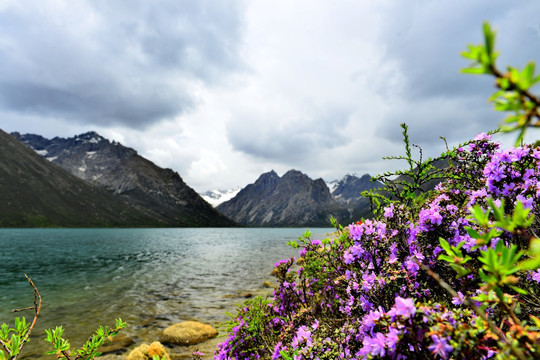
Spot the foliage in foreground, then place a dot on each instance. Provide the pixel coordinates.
(13, 339)
(451, 274)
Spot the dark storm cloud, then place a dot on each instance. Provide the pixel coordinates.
(425, 40)
(97, 107)
(105, 63)
(289, 142)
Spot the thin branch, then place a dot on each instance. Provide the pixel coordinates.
(23, 309)
(4, 345)
(37, 308)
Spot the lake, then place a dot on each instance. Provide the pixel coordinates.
(151, 278)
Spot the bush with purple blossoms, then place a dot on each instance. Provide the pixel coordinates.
(450, 274)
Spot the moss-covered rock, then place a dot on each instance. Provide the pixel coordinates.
(146, 352)
(188, 333)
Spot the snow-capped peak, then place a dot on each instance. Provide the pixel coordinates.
(216, 197)
(332, 185)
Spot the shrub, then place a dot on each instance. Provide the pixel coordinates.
(452, 273)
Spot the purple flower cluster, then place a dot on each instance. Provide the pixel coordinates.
(364, 295)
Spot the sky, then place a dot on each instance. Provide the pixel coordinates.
(222, 91)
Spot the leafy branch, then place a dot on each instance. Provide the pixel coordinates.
(89, 350)
(20, 333)
(497, 267)
(409, 184)
(514, 86)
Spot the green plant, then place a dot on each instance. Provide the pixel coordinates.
(89, 350)
(514, 94)
(14, 338)
(496, 268)
(405, 186)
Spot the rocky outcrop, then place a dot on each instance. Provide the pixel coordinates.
(147, 352)
(291, 200)
(123, 172)
(188, 333)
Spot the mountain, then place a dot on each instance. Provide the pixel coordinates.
(216, 197)
(348, 189)
(347, 193)
(121, 171)
(291, 200)
(35, 193)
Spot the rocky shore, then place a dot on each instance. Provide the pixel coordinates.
(176, 341)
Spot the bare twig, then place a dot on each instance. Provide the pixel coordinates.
(37, 308)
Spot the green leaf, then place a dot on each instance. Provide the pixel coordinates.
(489, 40)
(526, 76)
(473, 233)
(475, 71)
(14, 346)
(446, 246)
(533, 262)
(519, 290)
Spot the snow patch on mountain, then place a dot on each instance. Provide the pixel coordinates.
(216, 197)
(332, 185)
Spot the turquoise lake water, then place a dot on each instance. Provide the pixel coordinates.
(152, 278)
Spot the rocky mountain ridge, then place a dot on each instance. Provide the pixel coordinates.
(296, 200)
(35, 192)
(122, 171)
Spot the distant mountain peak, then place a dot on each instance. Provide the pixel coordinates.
(269, 174)
(90, 136)
(120, 170)
(291, 200)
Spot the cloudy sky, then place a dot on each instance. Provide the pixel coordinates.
(224, 90)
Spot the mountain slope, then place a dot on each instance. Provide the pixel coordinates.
(291, 200)
(122, 171)
(35, 192)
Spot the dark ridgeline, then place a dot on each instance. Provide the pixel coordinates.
(153, 196)
(295, 200)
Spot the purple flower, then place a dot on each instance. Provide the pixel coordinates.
(365, 303)
(392, 338)
(303, 335)
(389, 211)
(375, 345)
(412, 267)
(405, 307)
(432, 215)
(482, 136)
(536, 275)
(356, 231)
(527, 202)
(440, 347)
(277, 349)
(368, 280)
(372, 316)
(459, 299)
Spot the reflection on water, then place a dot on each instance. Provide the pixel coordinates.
(151, 278)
